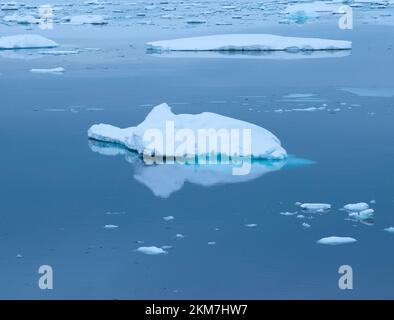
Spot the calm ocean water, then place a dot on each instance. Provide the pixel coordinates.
(57, 192)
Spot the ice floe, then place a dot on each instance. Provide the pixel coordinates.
(248, 42)
(389, 229)
(151, 250)
(25, 41)
(168, 218)
(315, 207)
(21, 19)
(87, 19)
(58, 70)
(356, 206)
(264, 145)
(334, 240)
(111, 226)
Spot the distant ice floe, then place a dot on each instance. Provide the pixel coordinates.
(111, 226)
(334, 240)
(86, 19)
(58, 70)
(151, 250)
(264, 145)
(389, 229)
(248, 42)
(360, 212)
(21, 19)
(371, 92)
(356, 206)
(26, 41)
(168, 218)
(315, 207)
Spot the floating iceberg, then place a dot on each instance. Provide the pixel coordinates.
(356, 206)
(26, 41)
(58, 70)
(389, 229)
(362, 215)
(315, 207)
(263, 144)
(248, 42)
(333, 241)
(151, 250)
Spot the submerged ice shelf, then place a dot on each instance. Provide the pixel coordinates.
(248, 42)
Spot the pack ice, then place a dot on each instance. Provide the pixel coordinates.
(264, 145)
(25, 41)
(248, 42)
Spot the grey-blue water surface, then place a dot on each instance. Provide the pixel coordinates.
(56, 192)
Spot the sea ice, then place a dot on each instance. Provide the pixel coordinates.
(25, 41)
(248, 42)
(151, 250)
(87, 19)
(264, 145)
(315, 207)
(168, 218)
(389, 229)
(356, 206)
(58, 70)
(111, 226)
(19, 19)
(333, 241)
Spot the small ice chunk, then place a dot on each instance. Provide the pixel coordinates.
(334, 240)
(315, 207)
(356, 206)
(19, 256)
(287, 213)
(166, 247)
(179, 236)
(211, 243)
(58, 70)
(300, 216)
(306, 225)
(251, 225)
(110, 226)
(389, 229)
(168, 218)
(151, 250)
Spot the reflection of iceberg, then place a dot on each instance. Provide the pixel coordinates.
(166, 179)
(274, 55)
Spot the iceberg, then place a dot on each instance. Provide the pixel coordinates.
(334, 240)
(356, 206)
(315, 207)
(362, 215)
(389, 229)
(248, 42)
(151, 250)
(58, 70)
(263, 144)
(26, 41)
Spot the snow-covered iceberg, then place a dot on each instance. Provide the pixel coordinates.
(248, 42)
(263, 144)
(26, 41)
(334, 240)
(58, 70)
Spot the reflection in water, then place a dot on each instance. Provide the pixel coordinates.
(165, 179)
(276, 55)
